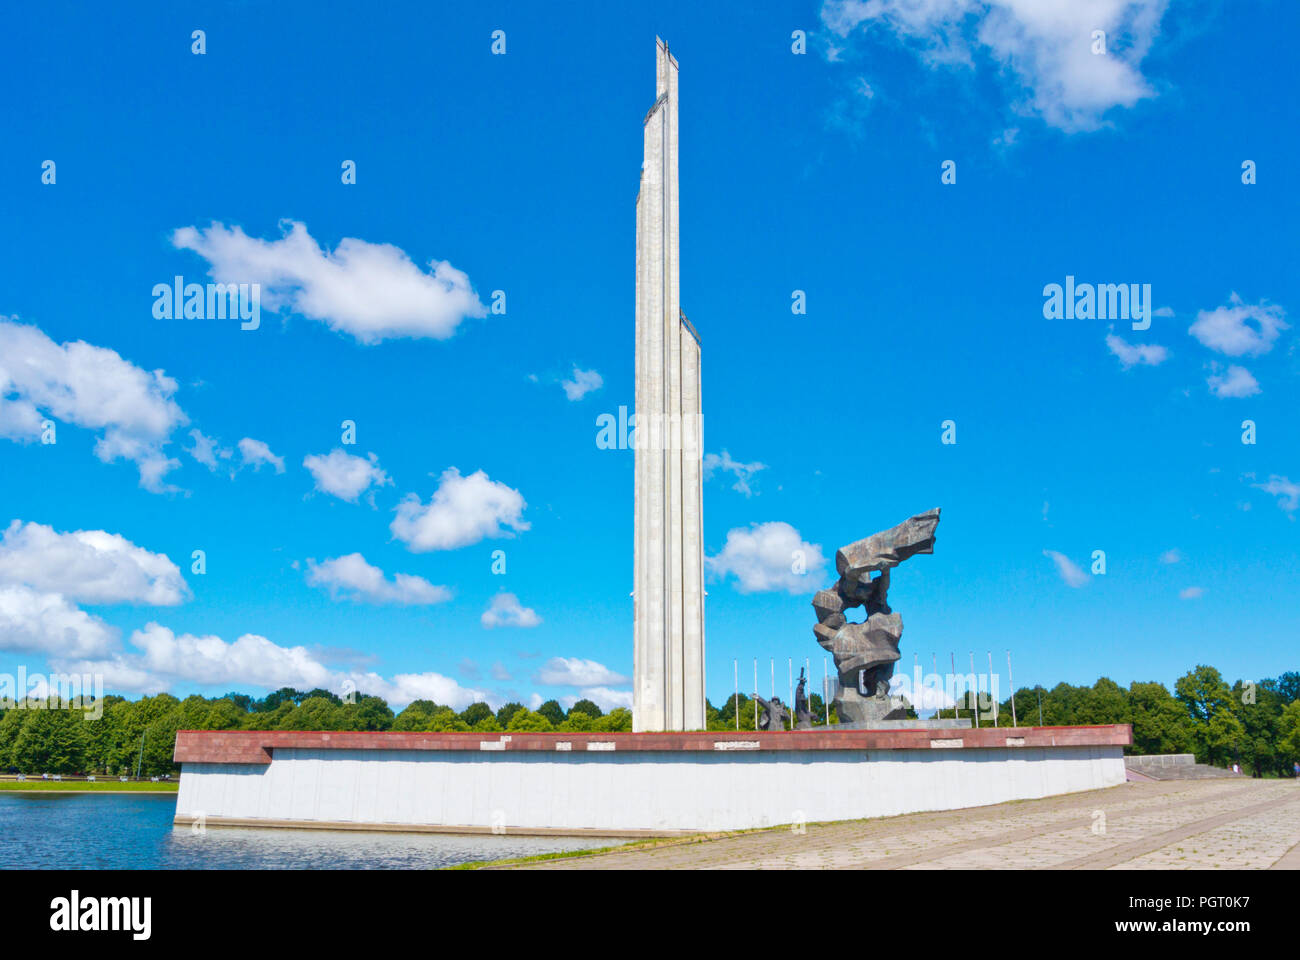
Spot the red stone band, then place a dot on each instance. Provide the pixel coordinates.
(255, 746)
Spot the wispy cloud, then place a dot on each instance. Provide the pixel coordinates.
(370, 291)
(1132, 355)
(741, 471)
(1287, 492)
(1237, 382)
(1070, 572)
(582, 383)
(345, 476)
(92, 387)
(255, 453)
(1240, 329)
(505, 610)
(1044, 49)
(351, 577)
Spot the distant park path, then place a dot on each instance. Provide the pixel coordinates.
(1193, 824)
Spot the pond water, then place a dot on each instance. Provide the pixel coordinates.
(135, 831)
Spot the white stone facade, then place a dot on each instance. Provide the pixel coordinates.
(585, 790)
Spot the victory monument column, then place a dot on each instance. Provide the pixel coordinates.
(668, 592)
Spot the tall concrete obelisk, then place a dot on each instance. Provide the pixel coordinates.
(668, 597)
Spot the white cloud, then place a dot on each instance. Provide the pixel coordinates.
(576, 672)
(1046, 47)
(1163, 312)
(90, 566)
(162, 658)
(1240, 329)
(405, 687)
(33, 621)
(255, 453)
(583, 383)
(1237, 382)
(1131, 355)
(1191, 593)
(603, 697)
(372, 291)
(766, 557)
(463, 510)
(344, 476)
(505, 610)
(1287, 492)
(1067, 568)
(351, 577)
(90, 387)
(741, 471)
(206, 450)
(1171, 556)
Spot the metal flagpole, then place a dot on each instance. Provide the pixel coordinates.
(975, 704)
(995, 699)
(735, 704)
(756, 694)
(1012, 684)
(953, 659)
(1040, 708)
(826, 692)
(916, 669)
(934, 669)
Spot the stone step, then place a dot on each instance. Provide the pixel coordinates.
(1184, 771)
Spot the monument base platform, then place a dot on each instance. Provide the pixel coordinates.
(626, 784)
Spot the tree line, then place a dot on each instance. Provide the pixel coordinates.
(1254, 724)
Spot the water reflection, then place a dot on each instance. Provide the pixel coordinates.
(135, 831)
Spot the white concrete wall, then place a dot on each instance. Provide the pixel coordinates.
(633, 790)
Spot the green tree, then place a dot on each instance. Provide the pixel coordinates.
(1160, 722)
(1204, 693)
(269, 719)
(1288, 744)
(416, 716)
(1222, 737)
(552, 711)
(618, 720)
(314, 713)
(578, 721)
(272, 701)
(529, 721)
(508, 711)
(476, 713)
(367, 713)
(587, 707)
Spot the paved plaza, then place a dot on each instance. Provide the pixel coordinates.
(1193, 825)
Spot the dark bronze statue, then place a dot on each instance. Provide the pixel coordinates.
(774, 715)
(802, 715)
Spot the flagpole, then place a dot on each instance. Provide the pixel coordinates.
(1011, 683)
(995, 699)
(735, 704)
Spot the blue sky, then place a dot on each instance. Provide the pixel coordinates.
(818, 172)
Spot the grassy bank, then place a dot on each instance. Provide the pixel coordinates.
(84, 786)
